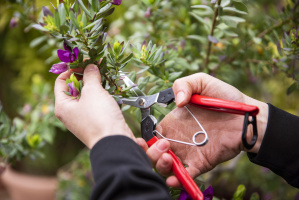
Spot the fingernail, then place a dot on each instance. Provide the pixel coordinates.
(161, 145)
(180, 97)
(91, 67)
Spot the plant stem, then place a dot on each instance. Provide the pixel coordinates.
(212, 33)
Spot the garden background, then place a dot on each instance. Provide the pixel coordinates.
(247, 54)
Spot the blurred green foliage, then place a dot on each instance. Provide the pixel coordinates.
(242, 51)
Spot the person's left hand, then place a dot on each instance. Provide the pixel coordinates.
(93, 116)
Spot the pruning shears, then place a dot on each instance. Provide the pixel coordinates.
(164, 98)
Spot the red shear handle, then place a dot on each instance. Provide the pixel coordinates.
(221, 105)
(182, 175)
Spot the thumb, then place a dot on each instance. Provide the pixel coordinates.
(91, 75)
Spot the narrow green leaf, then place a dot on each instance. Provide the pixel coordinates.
(39, 27)
(84, 19)
(67, 93)
(73, 19)
(37, 41)
(292, 88)
(62, 13)
(92, 24)
(203, 7)
(84, 8)
(95, 5)
(57, 18)
(232, 9)
(240, 6)
(128, 58)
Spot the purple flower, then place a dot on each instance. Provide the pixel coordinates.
(115, 2)
(47, 11)
(68, 55)
(147, 13)
(184, 196)
(14, 22)
(59, 68)
(208, 193)
(72, 89)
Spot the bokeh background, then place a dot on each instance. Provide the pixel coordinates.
(25, 62)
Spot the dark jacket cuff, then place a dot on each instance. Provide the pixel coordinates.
(279, 149)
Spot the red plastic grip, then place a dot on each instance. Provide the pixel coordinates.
(182, 175)
(221, 105)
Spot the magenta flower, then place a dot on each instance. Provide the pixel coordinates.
(73, 90)
(59, 68)
(116, 2)
(68, 55)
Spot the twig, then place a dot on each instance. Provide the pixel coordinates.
(212, 33)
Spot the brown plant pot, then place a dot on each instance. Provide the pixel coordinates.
(29, 187)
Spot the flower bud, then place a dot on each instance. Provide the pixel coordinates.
(59, 68)
(14, 22)
(147, 13)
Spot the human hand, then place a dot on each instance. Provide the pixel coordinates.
(224, 130)
(93, 116)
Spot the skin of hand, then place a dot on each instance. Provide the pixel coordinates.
(224, 130)
(95, 114)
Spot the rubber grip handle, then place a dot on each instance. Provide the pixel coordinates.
(182, 175)
(221, 105)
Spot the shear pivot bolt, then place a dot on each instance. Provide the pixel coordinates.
(141, 102)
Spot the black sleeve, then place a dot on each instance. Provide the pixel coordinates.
(279, 150)
(122, 170)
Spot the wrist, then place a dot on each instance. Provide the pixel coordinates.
(262, 120)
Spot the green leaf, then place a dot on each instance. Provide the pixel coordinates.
(92, 24)
(37, 41)
(67, 93)
(225, 3)
(62, 13)
(39, 27)
(292, 88)
(240, 6)
(84, 19)
(84, 8)
(76, 6)
(203, 7)
(174, 75)
(240, 193)
(232, 21)
(95, 5)
(127, 59)
(92, 52)
(64, 29)
(232, 9)
(73, 19)
(106, 13)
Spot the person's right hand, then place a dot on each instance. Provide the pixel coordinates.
(224, 130)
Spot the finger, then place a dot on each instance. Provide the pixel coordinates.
(92, 75)
(164, 164)
(157, 149)
(183, 88)
(60, 86)
(172, 181)
(141, 142)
